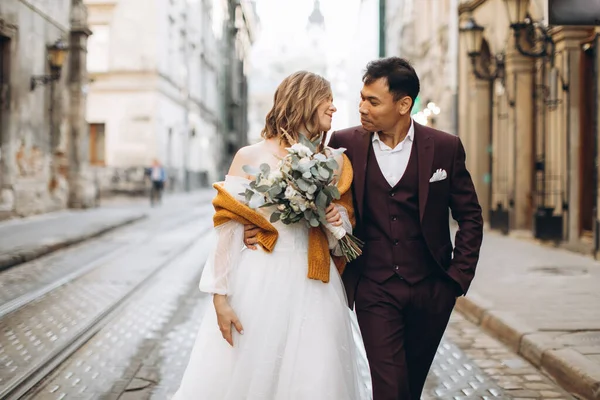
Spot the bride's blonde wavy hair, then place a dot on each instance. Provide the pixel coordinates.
(295, 107)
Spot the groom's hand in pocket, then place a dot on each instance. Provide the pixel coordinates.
(226, 318)
(250, 239)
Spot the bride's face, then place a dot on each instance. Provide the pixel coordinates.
(325, 112)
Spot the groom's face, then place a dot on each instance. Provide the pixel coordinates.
(379, 112)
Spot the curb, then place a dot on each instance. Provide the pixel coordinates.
(571, 370)
(19, 256)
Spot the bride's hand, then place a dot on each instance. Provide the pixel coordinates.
(226, 317)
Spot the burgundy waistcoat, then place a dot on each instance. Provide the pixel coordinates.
(394, 242)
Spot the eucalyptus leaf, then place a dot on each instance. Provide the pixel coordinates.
(304, 140)
(331, 163)
(263, 188)
(325, 174)
(275, 217)
(265, 169)
(320, 157)
(312, 189)
(335, 193)
(274, 191)
(307, 175)
(321, 201)
(250, 170)
(314, 222)
(256, 201)
(302, 185)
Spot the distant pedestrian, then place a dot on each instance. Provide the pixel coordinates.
(158, 177)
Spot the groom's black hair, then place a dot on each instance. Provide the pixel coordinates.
(400, 75)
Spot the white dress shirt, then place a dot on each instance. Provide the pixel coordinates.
(393, 162)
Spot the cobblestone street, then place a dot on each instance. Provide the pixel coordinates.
(115, 317)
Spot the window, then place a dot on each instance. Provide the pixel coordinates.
(97, 144)
(98, 49)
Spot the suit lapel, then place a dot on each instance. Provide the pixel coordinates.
(361, 155)
(425, 150)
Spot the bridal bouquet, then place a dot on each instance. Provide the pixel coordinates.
(301, 188)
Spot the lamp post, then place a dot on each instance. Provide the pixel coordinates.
(524, 27)
(57, 53)
(474, 37)
(473, 34)
(541, 46)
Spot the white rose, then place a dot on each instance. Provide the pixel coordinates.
(304, 164)
(266, 181)
(290, 192)
(302, 150)
(276, 176)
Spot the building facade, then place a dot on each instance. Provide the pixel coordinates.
(425, 32)
(43, 162)
(172, 90)
(523, 97)
(528, 107)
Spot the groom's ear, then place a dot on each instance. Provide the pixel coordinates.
(404, 105)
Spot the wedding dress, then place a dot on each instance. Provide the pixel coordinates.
(300, 341)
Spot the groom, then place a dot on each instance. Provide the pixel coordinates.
(406, 178)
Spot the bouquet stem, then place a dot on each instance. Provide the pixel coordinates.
(351, 245)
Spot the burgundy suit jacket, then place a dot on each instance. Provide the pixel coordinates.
(436, 150)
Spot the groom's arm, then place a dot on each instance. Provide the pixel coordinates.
(466, 211)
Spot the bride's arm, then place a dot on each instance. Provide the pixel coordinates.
(225, 257)
(226, 253)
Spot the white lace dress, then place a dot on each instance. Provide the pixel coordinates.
(300, 341)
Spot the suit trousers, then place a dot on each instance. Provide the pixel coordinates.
(402, 326)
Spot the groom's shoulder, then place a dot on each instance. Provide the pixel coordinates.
(441, 136)
(353, 130)
(350, 132)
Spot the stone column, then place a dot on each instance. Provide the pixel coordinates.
(568, 43)
(520, 80)
(82, 190)
(478, 156)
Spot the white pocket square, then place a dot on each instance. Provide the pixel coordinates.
(438, 175)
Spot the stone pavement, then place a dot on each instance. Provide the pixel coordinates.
(26, 239)
(544, 303)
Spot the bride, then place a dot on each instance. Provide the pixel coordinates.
(276, 334)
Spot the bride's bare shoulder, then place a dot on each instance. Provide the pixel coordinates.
(245, 156)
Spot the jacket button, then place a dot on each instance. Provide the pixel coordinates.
(396, 267)
(394, 218)
(392, 194)
(396, 242)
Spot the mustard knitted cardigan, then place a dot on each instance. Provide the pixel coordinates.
(227, 208)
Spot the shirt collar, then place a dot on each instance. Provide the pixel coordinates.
(410, 136)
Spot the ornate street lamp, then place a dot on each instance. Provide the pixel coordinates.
(494, 69)
(517, 12)
(474, 37)
(535, 32)
(57, 53)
